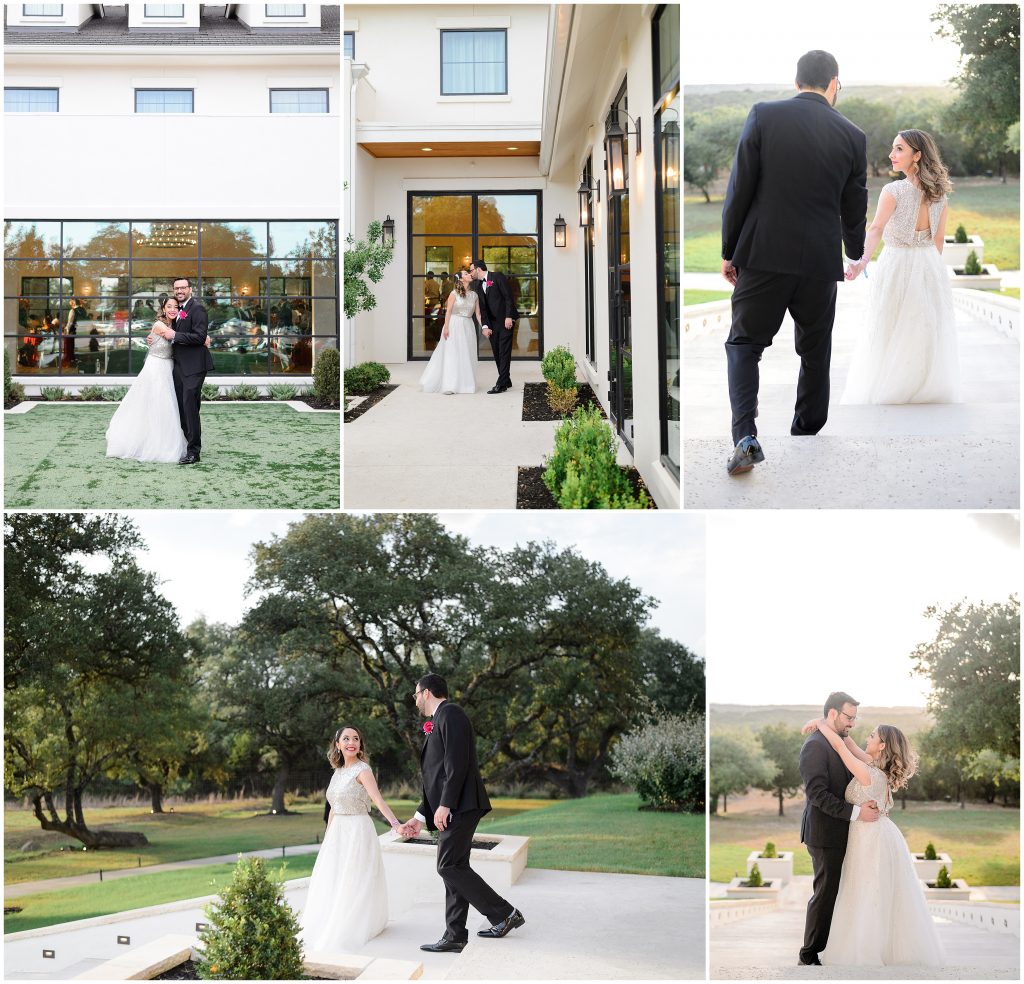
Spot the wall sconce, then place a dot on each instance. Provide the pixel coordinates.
(559, 230)
(670, 137)
(387, 231)
(584, 191)
(615, 138)
(245, 291)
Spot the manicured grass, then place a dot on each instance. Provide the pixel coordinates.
(608, 832)
(254, 456)
(986, 208)
(983, 842)
(1010, 292)
(691, 297)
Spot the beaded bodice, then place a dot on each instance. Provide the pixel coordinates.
(901, 229)
(877, 791)
(345, 794)
(161, 348)
(464, 307)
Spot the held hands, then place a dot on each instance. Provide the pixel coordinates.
(410, 828)
(854, 270)
(441, 817)
(729, 271)
(869, 812)
(486, 331)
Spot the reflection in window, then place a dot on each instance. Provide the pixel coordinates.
(163, 100)
(350, 44)
(473, 62)
(18, 100)
(298, 100)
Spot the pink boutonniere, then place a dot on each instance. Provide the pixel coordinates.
(490, 283)
(181, 315)
(428, 726)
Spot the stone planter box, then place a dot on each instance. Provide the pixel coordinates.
(929, 870)
(960, 892)
(955, 254)
(987, 280)
(772, 868)
(770, 890)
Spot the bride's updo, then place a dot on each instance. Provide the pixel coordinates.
(897, 760)
(460, 284)
(931, 172)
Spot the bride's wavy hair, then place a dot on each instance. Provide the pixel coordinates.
(897, 760)
(334, 755)
(931, 172)
(460, 287)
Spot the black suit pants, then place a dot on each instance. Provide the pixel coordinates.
(463, 886)
(501, 346)
(828, 867)
(759, 304)
(189, 391)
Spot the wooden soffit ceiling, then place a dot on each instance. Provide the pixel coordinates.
(528, 148)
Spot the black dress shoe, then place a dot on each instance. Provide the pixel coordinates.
(498, 930)
(443, 945)
(497, 389)
(745, 455)
(189, 459)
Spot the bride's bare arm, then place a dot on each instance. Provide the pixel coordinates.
(448, 311)
(886, 206)
(812, 725)
(852, 762)
(940, 232)
(366, 778)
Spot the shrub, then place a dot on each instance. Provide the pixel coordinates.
(7, 375)
(366, 377)
(559, 369)
(961, 235)
(582, 472)
(327, 378)
(929, 852)
(972, 267)
(53, 393)
(244, 391)
(115, 393)
(252, 932)
(91, 393)
(754, 879)
(15, 394)
(664, 762)
(769, 851)
(283, 391)
(942, 879)
(210, 391)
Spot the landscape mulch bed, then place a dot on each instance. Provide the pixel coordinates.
(187, 972)
(532, 493)
(371, 401)
(535, 402)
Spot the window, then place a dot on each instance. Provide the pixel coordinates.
(474, 63)
(588, 268)
(42, 10)
(286, 10)
(31, 100)
(350, 44)
(163, 9)
(298, 100)
(164, 101)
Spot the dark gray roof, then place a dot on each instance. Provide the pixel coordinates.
(214, 29)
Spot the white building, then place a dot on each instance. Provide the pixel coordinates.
(474, 128)
(151, 141)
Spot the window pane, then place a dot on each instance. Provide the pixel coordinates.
(95, 277)
(440, 255)
(442, 214)
(32, 277)
(31, 239)
(96, 239)
(228, 279)
(30, 100)
(472, 62)
(159, 275)
(315, 239)
(286, 10)
(42, 9)
(164, 9)
(234, 239)
(350, 45)
(298, 100)
(163, 100)
(507, 213)
(668, 49)
(309, 277)
(166, 240)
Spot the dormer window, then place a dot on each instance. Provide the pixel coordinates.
(286, 10)
(164, 10)
(42, 10)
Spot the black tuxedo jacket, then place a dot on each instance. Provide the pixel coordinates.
(826, 819)
(798, 184)
(189, 346)
(497, 302)
(451, 776)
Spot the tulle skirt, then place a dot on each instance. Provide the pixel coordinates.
(881, 918)
(146, 425)
(452, 367)
(347, 900)
(907, 352)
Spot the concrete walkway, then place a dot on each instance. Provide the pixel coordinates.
(430, 451)
(579, 926)
(765, 947)
(963, 456)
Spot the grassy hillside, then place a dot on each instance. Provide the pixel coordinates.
(908, 719)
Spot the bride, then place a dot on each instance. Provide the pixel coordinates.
(452, 367)
(908, 351)
(880, 918)
(347, 900)
(146, 425)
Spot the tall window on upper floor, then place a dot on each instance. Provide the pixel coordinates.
(42, 10)
(286, 10)
(164, 101)
(298, 100)
(163, 9)
(474, 63)
(31, 100)
(350, 44)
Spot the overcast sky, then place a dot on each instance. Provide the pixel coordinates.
(803, 603)
(203, 557)
(753, 42)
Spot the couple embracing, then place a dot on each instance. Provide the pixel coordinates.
(347, 901)
(479, 297)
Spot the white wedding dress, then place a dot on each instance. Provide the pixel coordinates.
(347, 900)
(881, 918)
(146, 425)
(452, 367)
(907, 352)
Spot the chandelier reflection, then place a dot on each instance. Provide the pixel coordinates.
(172, 235)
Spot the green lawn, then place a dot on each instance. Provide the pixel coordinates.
(984, 842)
(265, 456)
(691, 297)
(986, 208)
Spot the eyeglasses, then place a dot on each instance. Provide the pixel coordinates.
(416, 693)
(852, 720)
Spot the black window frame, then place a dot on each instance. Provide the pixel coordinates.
(191, 92)
(471, 30)
(267, 13)
(589, 341)
(32, 88)
(25, 13)
(149, 16)
(294, 88)
(352, 35)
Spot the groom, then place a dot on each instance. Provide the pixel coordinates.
(798, 184)
(498, 312)
(825, 825)
(454, 802)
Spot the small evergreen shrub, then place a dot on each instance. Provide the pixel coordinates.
(53, 393)
(210, 391)
(365, 378)
(972, 267)
(769, 851)
(942, 879)
(327, 378)
(929, 852)
(15, 394)
(115, 393)
(664, 761)
(252, 932)
(754, 879)
(7, 376)
(283, 391)
(244, 391)
(559, 369)
(91, 393)
(961, 235)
